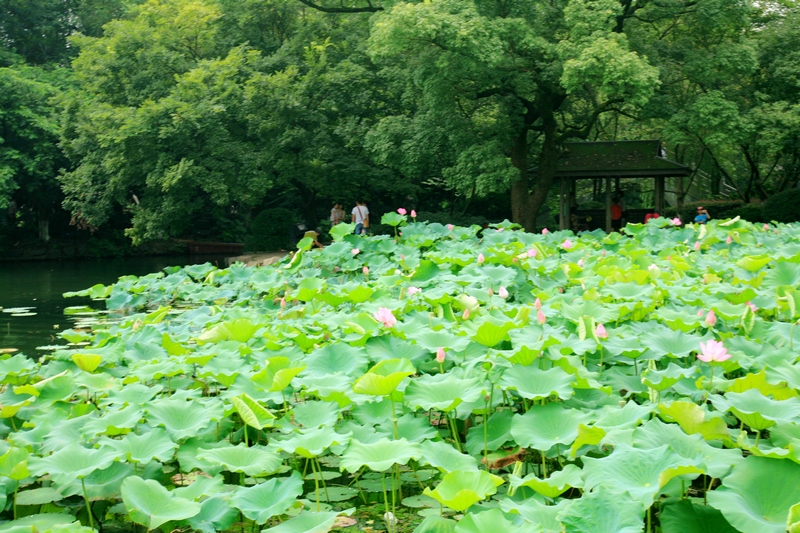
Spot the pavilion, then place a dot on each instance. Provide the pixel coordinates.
(613, 159)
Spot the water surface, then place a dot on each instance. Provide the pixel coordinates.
(40, 285)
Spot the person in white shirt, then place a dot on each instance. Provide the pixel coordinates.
(360, 216)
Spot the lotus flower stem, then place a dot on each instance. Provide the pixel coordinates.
(394, 420)
(454, 429)
(486, 437)
(544, 465)
(389, 524)
(85, 498)
(16, 488)
(316, 484)
(649, 519)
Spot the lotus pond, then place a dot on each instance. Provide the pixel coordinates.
(454, 381)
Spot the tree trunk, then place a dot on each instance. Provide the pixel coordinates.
(520, 197)
(548, 159)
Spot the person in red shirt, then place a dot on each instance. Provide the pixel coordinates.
(616, 215)
(648, 216)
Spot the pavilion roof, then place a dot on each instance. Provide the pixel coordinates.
(610, 159)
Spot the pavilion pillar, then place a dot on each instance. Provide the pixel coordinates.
(562, 191)
(608, 205)
(658, 195)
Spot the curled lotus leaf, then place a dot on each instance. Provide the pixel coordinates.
(379, 456)
(460, 490)
(251, 460)
(271, 498)
(150, 504)
(554, 485)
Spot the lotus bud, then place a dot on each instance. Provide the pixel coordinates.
(413, 214)
(541, 318)
(386, 316)
(503, 293)
(413, 290)
(676, 221)
(728, 240)
(696, 246)
(580, 263)
(355, 251)
(700, 312)
(567, 244)
(481, 259)
(532, 252)
(766, 227)
(537, 304)
(603, 253)
(365, 270)
(390, 519)
(711, 319)
(440, 355)
(600, 332)
(283, 303)
(491, 292)
(545, 231)
(653, 267)
(401, 210)
(465, 314)
(450, 227)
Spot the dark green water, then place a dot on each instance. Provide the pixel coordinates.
(40, 285)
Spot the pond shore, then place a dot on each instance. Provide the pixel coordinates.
(256, 259)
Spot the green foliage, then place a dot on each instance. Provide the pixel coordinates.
(271, 230)
(783, 207)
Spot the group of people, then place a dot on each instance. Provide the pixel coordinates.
(359, 216)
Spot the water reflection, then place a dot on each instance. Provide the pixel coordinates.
(40, 285)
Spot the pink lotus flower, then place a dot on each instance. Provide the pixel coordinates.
(537, 304)
(450, 227)
(532, 252)
(567, 244)
(697, 245)
(481, 259)
(545, 231)
(766, 227)
(440, 355)
(401, 210)
(355, 251)
(600, 332)
(653, 267)
(728, 240)
(385, 315)
(752, 306)
(365, 270)
(502, 293)
(711, 319)
(413, 290)
(580, 263)
(413, 214)
(676, 221)
(713, 351)
(541, 318)
(283, 303)
(465, 314)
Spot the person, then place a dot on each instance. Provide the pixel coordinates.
(313, 235)
(337, 214)
(702, 215)
(652, 215)
(616, 215)
(360, 216)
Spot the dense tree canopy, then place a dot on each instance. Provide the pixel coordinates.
(155, 114)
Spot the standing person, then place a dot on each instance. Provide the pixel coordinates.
(337, 214)
(360, 216)
(702, 215)
(616, 215)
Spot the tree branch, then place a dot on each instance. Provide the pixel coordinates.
(369, 8)
(583, 133)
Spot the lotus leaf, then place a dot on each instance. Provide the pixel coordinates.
(151, 505)
(312, 442)
(436, 524)
(603, 512)
(444, 456)
(683, 516)
(443, 392)
(253, 413)
(72, 462)
(268, 499)
(379, 456)
(383, 378)
(491, 520)
(215, 515)
(756, 410)
(691, 418)
(252, 461)
(498, 432)
(553, 486)
(532, 383)
(460, 490)
(544, 426)
(306, 522)
(183, 419)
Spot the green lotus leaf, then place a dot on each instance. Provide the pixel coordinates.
(410, 427)
(133, 394)
(628, 416)
(240, 330)
(200, 487)
(88, 362)
(587, 436)
(379, 456)
(780, 391)
(277, 374)
(72, 462)
(498, 432)
(553, 486)
(334, 358)
(389, 347)
(433, 340)
(756, 410)
(691, 418)
(215, 515)
(641, 473)
(314, 414)
(53, 389)
(544, 426)
(393, 219)
(759, 494)
(665, 341)
(661, 380)
(252, 460)
(38, 496)
(436, 524)
(143, 448)
(151, 505)
(490, 333)
(101, 484)
(308, 288)
(443, 392)
(272, 498)
(442, 455)
(542, 517)
(307, 522)
(604, 512)
(183, 419)
(678, 320)
(460, 490)
(14, 464)
(532, 383)
(491, 520)
(43, 522)
(115, 422)
(684, 516)
(252, 413)
(312, 442)
(754, 263)
(783, 274)
(383, 378)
